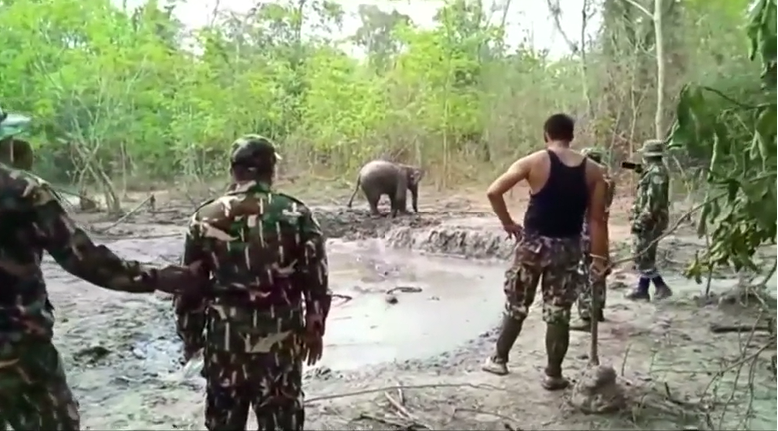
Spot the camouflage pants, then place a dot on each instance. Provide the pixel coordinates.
(34, 394)
(644, 246)
(590, 290)
(270, 383)
(550, 262)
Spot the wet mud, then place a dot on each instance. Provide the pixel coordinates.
(418, 301)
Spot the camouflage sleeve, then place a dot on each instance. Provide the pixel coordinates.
(75, 252)
(312, 271)
(190, 308)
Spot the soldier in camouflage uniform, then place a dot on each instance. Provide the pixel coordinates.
(591, 290)
(649, 218)
(269, 297)
(34, 393)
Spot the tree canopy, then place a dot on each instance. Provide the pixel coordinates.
(133, 93)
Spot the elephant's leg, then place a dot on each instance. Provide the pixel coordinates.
(398, 207)
(399, 197)
(372, 200)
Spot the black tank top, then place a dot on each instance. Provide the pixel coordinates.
(558, 209)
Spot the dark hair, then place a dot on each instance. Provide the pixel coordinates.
(560, 127)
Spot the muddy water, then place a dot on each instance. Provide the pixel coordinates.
(458, 301)
(450, 301)
(121, 350)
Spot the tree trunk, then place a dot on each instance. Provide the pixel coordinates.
(659, 123)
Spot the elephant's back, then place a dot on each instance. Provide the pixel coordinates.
(378, 169)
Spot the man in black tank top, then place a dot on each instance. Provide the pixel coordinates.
(564, 188)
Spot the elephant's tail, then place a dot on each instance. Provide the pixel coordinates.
(359, 181)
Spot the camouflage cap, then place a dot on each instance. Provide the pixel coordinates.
(653, 148)
(253, 151)
(594, 153)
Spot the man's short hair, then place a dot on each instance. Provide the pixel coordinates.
(560, 127)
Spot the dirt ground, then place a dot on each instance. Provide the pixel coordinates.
(429, 338)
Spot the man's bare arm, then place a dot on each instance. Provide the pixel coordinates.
(598, 214)
(518, 171)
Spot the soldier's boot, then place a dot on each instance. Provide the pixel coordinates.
(509, 332)
(583, 304)
(598, 310)
(600, 314)
(557, 342)
(661, 291)
(641, 292)
(584, 316)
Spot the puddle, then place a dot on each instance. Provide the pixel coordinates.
(122, 352)
(459, 300)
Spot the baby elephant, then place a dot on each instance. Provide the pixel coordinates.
(380, 177)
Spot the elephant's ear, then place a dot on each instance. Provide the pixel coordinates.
(417, 174)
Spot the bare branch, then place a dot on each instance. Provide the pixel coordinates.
(556, 14)
(577, 48)
(640, 7)
(214, 13)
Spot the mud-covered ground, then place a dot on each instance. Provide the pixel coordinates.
(419, 298)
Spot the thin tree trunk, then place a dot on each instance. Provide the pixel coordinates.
(659, 123)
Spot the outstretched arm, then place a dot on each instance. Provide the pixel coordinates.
(75, 252)
(312, 273)
(190, 308)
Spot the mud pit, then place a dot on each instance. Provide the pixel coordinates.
(122, 355)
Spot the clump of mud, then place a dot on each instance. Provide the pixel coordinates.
(598, 391)
(354, 224)
(454, 241)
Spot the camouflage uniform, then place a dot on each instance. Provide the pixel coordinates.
(591, 289)
(649, 218)
(551, 263)
(34, 393)
(266, 254)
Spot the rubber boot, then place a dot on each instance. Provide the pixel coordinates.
(600, 315)
(641, 292)
(557, 342)
(509, 332)
(661, 291)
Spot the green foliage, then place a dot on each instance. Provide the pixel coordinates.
(118, 94)
(740, 136)
(133, 94)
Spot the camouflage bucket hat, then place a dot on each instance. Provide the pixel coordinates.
(12, 124)
(653, 148)
(253, 150)
(594, 153)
